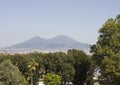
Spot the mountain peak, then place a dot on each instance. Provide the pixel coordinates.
(63, 39)
(60, 42)
(62, 36)
(36, 37)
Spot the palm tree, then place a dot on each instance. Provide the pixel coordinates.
(31, 69)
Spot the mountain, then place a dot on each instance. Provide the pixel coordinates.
(65, 42)
(58, 43)
(35, 42)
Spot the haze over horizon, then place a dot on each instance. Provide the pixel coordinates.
(79, 19)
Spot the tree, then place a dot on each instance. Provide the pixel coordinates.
(21, 61)
(52, 63)
(111, 70)
(10, 75)
(52, 79)
(67, 72)
(106, 52)
(38, 58)
(81, 66)
(31, 69)
(60, 63)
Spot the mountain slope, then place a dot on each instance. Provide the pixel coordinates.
(60, 42)
(34, 42)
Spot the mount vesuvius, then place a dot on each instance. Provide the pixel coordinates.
(58, 43)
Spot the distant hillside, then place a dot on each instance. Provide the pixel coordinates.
(60, 42)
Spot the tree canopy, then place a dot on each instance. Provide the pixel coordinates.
(10, 75)
(81, 65)
(72, 66)
(52, 79)
(106, 52)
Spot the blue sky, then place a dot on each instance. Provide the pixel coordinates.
(79, 19)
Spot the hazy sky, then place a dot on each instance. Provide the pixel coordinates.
(79, 19)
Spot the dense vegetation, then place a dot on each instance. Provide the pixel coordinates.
(10, 75)
(51, 79)
(106, 52)
(67, 67)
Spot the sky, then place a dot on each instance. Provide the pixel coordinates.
(21, 20)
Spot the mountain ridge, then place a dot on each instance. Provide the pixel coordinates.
(58, 43)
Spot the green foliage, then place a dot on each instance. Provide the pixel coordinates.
(31, 69)
(111, 70)
(52, 79)
(81, 65)
(4, 57)
(106, 52)
(1, 83)
(10, 75)
(67, 73)
(21, 61)
(61, 64)
(33, 65)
